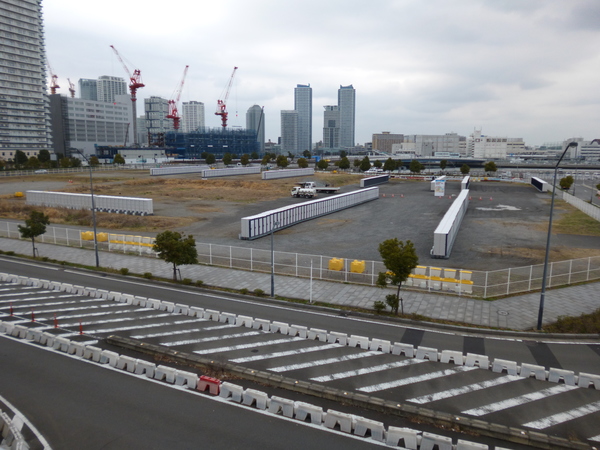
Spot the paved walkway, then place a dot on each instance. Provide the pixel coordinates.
(518, 313)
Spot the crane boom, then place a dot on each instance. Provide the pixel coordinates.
(173, 112)
(71, 88)
(53, 78)
(222, 104)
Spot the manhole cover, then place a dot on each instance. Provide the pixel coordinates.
(503, 313)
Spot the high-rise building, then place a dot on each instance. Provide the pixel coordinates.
(383, 141)
(24, 113)
(109, 87)
(192, 115)
(289, 131)
(255, 121)
(156, 109)
(488, 147)
(331, 127)
(88, 89)
(346, 107)
(303, 104)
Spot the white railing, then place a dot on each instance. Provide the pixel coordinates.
(485, 284)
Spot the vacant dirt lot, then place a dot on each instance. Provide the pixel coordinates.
(505, 225)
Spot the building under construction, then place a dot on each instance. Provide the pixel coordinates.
(218, 141)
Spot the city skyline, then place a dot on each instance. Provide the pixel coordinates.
(520, 69)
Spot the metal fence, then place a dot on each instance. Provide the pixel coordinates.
(485, 284)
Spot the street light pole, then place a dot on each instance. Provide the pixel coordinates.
(93, 209)
(275, 224)
(543, 294)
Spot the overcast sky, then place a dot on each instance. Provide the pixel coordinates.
(515, 68)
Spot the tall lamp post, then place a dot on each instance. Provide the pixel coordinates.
(543, 294)
(93, 209)
(275, 225)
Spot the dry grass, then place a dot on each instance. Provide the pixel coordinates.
(557, 253)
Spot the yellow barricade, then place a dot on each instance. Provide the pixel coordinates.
(336, 264)
(357, 266)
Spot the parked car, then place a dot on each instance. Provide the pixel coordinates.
(41, 171)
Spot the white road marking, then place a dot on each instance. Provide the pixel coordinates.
(211, 339)
(520, 400)
(18, 294)
(367, 370)
(37, 266)
(464, 390)
(141, 327)
(417, 379)
(244, 346)
(189, 330)
(595, 438)
(564, 416)
(285, 353)
(97, 322)
(323, 362)
(29, 299)
(33, 305)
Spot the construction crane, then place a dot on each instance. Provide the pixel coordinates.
(173, 113)
(71, 88)
(222, 104)
(135, 83)
(53, 78)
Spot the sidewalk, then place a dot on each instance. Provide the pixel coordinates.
(518, 313)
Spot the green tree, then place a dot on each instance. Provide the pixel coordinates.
(465, 169)
(34, 227)
(266, 159)
(443, 164)
(415, 166)
(245, 159)
(20, 158)
(65, 162)
(378, 164)
(490, 166)
(322, 164)
(365, 164)
(118, 159)
(75, 162)
(566, 182)
(291, 156)
(94, 161)
(302, 163)
(33, 163)
(399, 259)
(389, 165)
(343, 154)
(210, 159)
(356, 163)
(306, 154)
(344, 163)
(227, 159)
(282, 161)
(254, 155)
(176, 248)
(43, 156)
(203, 155)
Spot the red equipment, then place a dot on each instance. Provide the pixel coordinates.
(222, 104)
(173, 112)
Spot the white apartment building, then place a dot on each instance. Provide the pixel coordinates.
(192, 116)
(289, 131)
(109, 87)
(430, 144)
(488, 147)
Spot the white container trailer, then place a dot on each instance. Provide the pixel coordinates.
(176, 170)
(105, 203)
(230, 171)
(287, 173)
(448, 228)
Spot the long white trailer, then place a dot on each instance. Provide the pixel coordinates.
(230, 171)
(176, 170)
(286, 173)
(447, 230)
(264, 223)
(104, 203)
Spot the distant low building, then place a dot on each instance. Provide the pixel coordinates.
(218, 141)
(492, 147)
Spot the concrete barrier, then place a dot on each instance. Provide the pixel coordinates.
(403, 437)
(503, 365)
(108, 357)
(429, 441)
(61, 344)
(6, 327)
(358, 341)
(333, 418)
(165, 373)
(258, 398)
(184, 378)
(34, 335)
(317, 334)
(47, 339)
(337, 338)
(76, 348)
(166, 306)
(298, 330)
(19, 331)
(261, 324)
(145, 368)
(126, 363)
(142, 302)
(152, 303)
(227, 318)
(474, 360)
(211, 314)
(212, 384)
(303, 410)
(231, 391)
(181, 309)
(380, 344)
(279, 327)
(92, 353)
(587, 380)
(196, 312)
(66, 287)
(452, 355)
(428, 353)
(558, 375)
(102, 293)
(376, 429)
(466, 445)
(244, 321)
(527, 370)
(281, 405)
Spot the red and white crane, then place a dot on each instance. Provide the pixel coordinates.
(222, 104)
(71, 88)
(173, 112)
(135, 83)
(53, 78)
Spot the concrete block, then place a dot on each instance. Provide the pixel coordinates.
(89, 291)
(212, 384)
(558, 375)
(362, 425)
(452, 356)
(76, 348)
(19, 331)
(466, 445)
(261, 324)
(66, 287)
(127, 363)
(79, 290)
(47, 339)
(34, 335)
(333, 418)
(587, 380)
(93, 353)
(231, 391)
(129, 299)
(380, 344)
(180, 308)
(165, 373)
(244, 321)
(403, 437)
(114, 296)
(108, 357)
(56, 286)
(211, 314)
(152, 303)
(23, 280)
(6, 327)
(35, 282)
(145, 368)
(337, 338)
(317, 334)
(303, 410)
(527, 370)
(166, 306)
(474, 360)
(358, 341)
(503, 365)
(142, 302)
(259, 398)
(428, 353)
(279, 327)
(61, 344)
(281, 405)
(429, 441)
(227, 318)
(184, 378)
(298, 330)
(196, 312)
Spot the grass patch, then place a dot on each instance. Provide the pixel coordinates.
(574, 221)
(583, 324)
